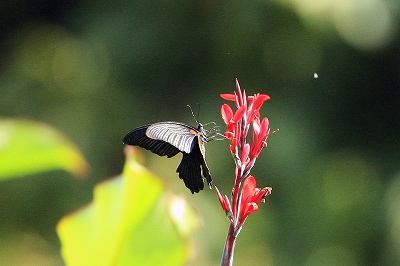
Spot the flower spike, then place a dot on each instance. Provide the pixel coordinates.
(246, 196)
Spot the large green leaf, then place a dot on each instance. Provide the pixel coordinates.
(28, 147)
(132, 220)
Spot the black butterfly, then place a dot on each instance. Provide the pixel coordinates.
(169, 138)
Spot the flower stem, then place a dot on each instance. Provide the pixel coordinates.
(229, 249)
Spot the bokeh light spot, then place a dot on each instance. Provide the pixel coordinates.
(364, 24)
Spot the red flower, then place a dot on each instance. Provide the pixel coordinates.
(251, 196)
(238, 124)
(245, 194)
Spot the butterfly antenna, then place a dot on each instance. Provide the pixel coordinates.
(191, 110)
(198, 112)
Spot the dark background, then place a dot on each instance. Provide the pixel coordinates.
(97, 69)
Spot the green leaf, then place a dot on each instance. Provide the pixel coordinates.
(28, 147)
(132, 220)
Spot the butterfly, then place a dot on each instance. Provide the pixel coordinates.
(170, 138)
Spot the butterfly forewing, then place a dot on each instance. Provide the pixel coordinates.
(179, 135)
(138, 137)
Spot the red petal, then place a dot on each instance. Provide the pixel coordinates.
(246, 211)
(224, 201)
(245, 153)
(228, 97)
(256, 126)
(265, 123)
(261, 194)
(229, 135)
(239, 91)
(239, 114)
(264, 129)
(252, 207)
(219, 194)
(250, 183)
(259, 100)
(227, 113)
(233, 148)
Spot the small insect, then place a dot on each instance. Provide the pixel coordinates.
(170, 138)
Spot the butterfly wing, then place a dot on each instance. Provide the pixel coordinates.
(178, 135)
(192, 169)
(138, 137)
(164, 138)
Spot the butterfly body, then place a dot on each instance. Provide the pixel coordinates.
(170, 138)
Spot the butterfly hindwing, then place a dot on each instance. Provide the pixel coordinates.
(192, 169)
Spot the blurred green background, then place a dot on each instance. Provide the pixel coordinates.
(97, 69)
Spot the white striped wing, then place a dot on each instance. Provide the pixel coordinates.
(179, 135)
